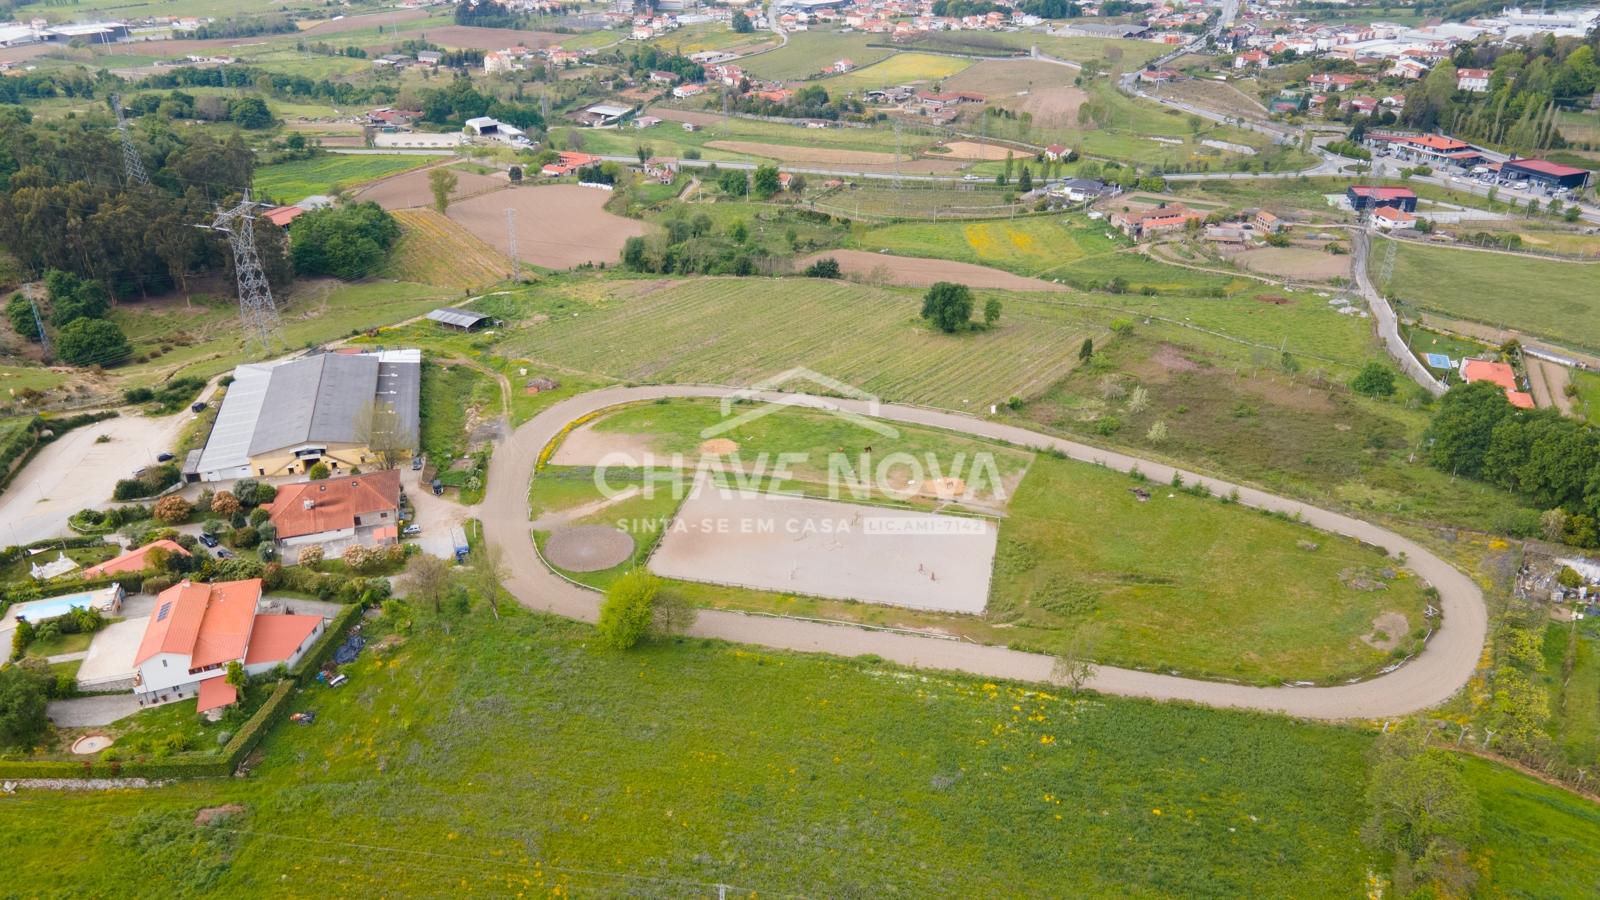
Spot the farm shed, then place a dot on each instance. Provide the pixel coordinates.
(465, 320)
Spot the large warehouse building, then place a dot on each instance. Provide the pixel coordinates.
(343, 409)
(1548, 175)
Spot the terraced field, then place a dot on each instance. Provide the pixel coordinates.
(435, 250)
(724, 330)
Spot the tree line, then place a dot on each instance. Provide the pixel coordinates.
(1550, 460)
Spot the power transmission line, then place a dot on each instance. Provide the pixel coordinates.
(131, 163)
(38, 322)
(258, 314)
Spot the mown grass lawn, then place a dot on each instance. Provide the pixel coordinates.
(1493, 288)
(810, 52)
(291, 182)
(496, 757)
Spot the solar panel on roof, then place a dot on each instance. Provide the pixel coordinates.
(161, 614)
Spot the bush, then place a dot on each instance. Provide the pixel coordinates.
(22, 708)
(245, 538)
(224, 504)
(1374, 380)
(155, 584)
(155, 480)
(172, 510)
(827, 267)
(627, 610)
(319, 471)
(92, 342)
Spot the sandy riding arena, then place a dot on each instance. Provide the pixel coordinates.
(558, 226)
(588, 548)
(908, 271)
(1295, 262)
(972, 150)
(826, 549)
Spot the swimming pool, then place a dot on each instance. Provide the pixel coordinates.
(39, 610)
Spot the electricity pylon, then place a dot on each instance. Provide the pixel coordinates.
(258, 314)
(131, 163)
(44, 337)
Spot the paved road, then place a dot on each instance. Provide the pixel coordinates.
(1383, 314)
(1426, 681)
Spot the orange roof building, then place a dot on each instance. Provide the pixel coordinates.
(1500, 374)
(196, 630)
(334, 508)
(134, 560)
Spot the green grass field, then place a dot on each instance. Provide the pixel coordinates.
(501, 757)
(809, 52)
(1572, 673)
(1588, 400)
(724, 331)
(1493, 288)
(291, 182)
(450, 394)
(1151, 584)
(1106, 53)
(1538, 840)
(1030, 246)
(203, 339)
(16, 379)
(901, 68)
(1187, 584)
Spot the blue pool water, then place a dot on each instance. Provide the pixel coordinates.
(39, 610)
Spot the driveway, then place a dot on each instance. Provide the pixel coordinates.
(86, 712)
(77, 471)
(1432, 677)
(436, 515)
(111, 653)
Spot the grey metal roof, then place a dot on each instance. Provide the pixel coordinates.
(320, 399)
(228, 446)
(400, 386)
(460, 318)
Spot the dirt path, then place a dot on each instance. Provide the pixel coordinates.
(1549, 382)
(1431, 678)
(1537, 383)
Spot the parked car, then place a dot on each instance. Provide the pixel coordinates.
(197, 406)
(416, 462)
(412, 530)
(164, 457)
(224, 554)
(438, 487)
(209, 540)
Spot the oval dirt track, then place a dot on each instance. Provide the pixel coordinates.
(1429, 679)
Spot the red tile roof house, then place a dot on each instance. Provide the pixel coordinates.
(196, 630)
(1500, 374)
(1145, 223)
(354, 508)
(134, 560)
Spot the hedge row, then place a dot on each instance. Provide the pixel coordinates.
(221, 765)
(306, 668)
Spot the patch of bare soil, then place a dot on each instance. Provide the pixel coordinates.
(558, 225)
(211, 815)
(409, 189)
(1388, 630)
(584, 446)
(719, 447)
(971, 150)
(1172, 359)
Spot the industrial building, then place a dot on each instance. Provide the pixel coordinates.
(342, 409)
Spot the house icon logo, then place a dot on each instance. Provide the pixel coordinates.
(772, 394)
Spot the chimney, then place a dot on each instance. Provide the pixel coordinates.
(309, 504)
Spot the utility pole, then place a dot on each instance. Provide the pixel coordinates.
(132, 165)
(38, 322)
(511, 239)
(258, 314)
